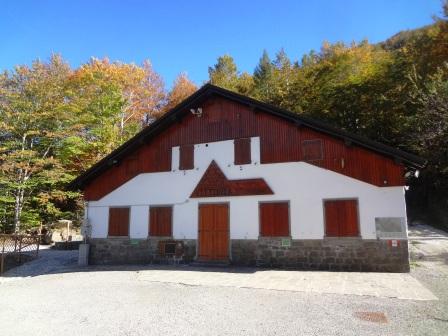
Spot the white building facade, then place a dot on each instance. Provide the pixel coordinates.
(295, 220)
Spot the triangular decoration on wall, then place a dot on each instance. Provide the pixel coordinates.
(215, 184)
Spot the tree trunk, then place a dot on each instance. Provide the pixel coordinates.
(122, 127)
(18, 209)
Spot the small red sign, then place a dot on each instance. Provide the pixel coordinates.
(393, 243)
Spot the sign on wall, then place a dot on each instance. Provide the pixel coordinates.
(286, 242)
(390, 227)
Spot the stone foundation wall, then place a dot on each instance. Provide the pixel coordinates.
(349, 254)
(339, 254)
(110, 251)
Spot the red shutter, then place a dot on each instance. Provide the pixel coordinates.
(341, 218)
(274, 219)
(242, 151)
(160, 221)
(312, 150)
(186, 159)
(118, 222)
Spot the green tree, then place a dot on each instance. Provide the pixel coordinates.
(430, 139)
(111, 101)
(283, 78)
(263, 77)
(33, 122)
(224, 73)
(245, 84)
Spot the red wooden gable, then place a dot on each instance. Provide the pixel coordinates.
(231, 118)
(215, 184)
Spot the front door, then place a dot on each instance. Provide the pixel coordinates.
(214, 232)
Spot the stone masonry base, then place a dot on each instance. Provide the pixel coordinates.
(334, 254)
(340, 254)
(110, 251)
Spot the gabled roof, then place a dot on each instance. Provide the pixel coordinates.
(209, 90)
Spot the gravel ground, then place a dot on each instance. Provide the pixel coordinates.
(51, 296)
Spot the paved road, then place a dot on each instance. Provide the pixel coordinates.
(51, 296)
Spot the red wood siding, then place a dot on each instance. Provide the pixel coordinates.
(341, 218)
(214, 184)
(242, 151)
(186, 157)
(280, 141)
(132, 166)
(274, 219)
(118, 222)
(213, 231)
(160, 221)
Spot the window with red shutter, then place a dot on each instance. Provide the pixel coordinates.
(118, 222)
(274, 219)
(312, 150)
(186, 157)
(242, 151)
(341, 218)
(160, 221)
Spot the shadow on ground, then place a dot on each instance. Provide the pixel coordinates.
(426, 244)
(57, 261)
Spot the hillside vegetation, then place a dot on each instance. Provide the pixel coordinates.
(56, 121)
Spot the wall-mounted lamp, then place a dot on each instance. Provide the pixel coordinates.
(197, 112)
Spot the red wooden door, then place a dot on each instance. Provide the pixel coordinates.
(213, 232)
(341, 218)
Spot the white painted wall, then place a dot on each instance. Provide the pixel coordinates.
(304, 185)
(138, 227)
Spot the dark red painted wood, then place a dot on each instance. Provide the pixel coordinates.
(186, 157)
(274, 219)
(132, 166)
(280, 141)
(242, 151)
(118, 222)
(341, 218)
(160, 221)
(214, 184)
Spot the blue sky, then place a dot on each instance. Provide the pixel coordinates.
(189, 35)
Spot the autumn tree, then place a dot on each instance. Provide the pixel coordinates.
(245, 84)
(112, 101)
(183, 87)
(33, 122)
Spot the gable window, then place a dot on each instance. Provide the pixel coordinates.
(186, 157)
(242, 151)
(312, 150)
(341, 218)
(118, 222)
(274, 219)
(160, 221)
